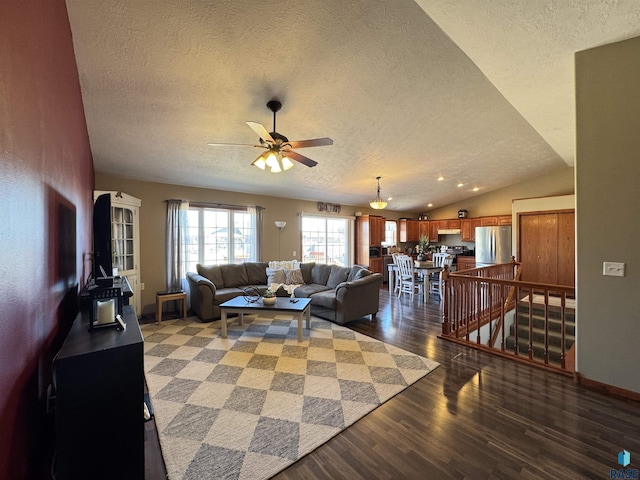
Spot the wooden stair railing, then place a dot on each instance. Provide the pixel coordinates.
(480, 305)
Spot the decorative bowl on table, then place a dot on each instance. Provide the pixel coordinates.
(269, 300)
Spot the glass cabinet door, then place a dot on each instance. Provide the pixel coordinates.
(122, 241)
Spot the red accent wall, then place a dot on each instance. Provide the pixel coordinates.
(46, 183)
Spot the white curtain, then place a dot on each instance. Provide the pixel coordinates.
(177, 245)
(257, 216)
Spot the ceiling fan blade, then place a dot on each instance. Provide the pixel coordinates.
(234, 145)
(301, 158)
(315, 142)
(261, 131)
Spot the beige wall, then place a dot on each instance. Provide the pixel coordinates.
(607, 199)
(153, 220)
(498, 202)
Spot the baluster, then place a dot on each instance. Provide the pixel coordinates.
(563, 297)
(546, 326)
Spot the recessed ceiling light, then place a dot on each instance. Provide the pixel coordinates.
(461, 184)
(475, 189)
(390, 198)
(430, 205)
(440, 178)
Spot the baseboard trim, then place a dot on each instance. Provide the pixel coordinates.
(606, 388)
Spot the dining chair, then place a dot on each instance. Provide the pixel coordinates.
(407, 275)
(435, 280)
(396, 277)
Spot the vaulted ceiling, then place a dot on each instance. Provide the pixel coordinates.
(479, 92)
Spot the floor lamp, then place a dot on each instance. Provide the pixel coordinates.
(280, 225)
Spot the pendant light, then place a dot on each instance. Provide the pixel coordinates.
(378, 203)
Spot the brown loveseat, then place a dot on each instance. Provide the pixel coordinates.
(339, 294)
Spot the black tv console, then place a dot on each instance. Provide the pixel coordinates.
(99, 386)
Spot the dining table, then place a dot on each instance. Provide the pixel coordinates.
(424, 269)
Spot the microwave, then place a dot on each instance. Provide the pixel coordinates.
(374, 252)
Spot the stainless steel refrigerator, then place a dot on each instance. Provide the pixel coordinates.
(493, 245)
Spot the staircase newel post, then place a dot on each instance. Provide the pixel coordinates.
(446, 323)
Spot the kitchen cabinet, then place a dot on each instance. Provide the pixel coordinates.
(376, 230)
(468, 229)
(375, 264)
(409, 230)
(423, 228)
(433, 231)
(369, 233)
(495, 220)
(436, 225)
(465, 263)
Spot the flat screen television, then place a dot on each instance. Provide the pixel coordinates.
(102, 252)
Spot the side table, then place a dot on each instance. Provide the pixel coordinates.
(162, 297)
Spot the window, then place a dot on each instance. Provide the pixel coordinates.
(219, 235)
(390, 232)
(326, 240)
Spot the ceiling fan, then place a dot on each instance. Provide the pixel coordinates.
(279, 153)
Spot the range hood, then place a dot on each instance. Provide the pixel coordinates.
(448, 231)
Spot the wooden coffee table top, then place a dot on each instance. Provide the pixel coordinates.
(282, 304)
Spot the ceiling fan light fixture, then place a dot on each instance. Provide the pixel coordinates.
(377, 203)
(259, 162)
(286, 163)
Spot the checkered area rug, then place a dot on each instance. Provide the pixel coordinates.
(248, 406)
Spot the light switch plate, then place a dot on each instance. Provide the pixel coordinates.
(613, 269)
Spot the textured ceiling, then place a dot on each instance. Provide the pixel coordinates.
(480, 92)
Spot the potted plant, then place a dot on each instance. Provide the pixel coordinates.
(269, 297)
(422, 247)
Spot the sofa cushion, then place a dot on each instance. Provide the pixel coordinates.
(256, 272)
(225, 294)
(325, 299)
(294, 277)
(305, 268)
(338, 275)
(320, 273)
(275, 276)
(211, 272)
(305, 291)
(357, 271)
(234, 275)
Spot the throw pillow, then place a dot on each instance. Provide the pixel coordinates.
(284, 264)
(276, 276)
(294, 277)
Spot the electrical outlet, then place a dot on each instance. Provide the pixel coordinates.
(141, 286)
(294, 254)
(613, 269)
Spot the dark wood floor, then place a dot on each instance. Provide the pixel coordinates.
(476, 416)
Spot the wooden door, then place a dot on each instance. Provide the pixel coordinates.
(566, 248)
(547, 248)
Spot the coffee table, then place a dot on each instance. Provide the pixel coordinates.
(300, 308)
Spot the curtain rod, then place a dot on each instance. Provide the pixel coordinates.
(217, 205)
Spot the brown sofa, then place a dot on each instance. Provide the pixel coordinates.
(339, 294)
